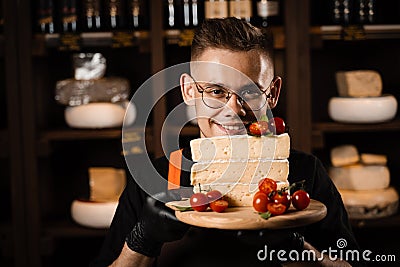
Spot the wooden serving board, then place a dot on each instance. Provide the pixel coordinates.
(246, 218)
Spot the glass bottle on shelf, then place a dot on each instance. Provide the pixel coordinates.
(92, 20)
(342, 12)
(172, 14)
(114, 14)
(371, 11)
(138, 17)
(45, 16)
(364, 12)
(216, 9)
(268, 13)
(192, 14)
(69, 16)
(241, 9)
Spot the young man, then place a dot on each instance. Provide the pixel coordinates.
(233, 53)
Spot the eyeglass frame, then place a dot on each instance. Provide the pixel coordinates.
(230, 93)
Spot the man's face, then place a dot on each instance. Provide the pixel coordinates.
(233, 71)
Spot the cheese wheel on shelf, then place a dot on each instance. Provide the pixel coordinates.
(100, 115)
(360, 177)
(370, 204)
(93, 214)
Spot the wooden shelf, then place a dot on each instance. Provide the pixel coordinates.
(321, 128)
(67, 229)
(185, 37)
(331, 127)
(132, 138)
(77, 134)
(75, 42)
(336, 32)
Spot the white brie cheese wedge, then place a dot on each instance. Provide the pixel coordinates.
(360, 177)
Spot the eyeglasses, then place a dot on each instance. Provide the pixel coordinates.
(250, 97)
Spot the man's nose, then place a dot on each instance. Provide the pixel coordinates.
(235, 105)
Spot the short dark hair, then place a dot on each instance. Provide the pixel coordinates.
(232, 34)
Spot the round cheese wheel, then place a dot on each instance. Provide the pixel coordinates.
(362, 109)
(360, 177)
(93, 214)
(100, 115)
(371, 203)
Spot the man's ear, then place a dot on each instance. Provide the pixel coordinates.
(275, 91)
(188, 89)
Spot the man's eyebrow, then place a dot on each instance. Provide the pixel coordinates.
(216, 84)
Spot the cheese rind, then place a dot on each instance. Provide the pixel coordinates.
(359, 83)
(250, 171)
(106, 183)
(344, 155)
(240, 146)
(373, 159)
(360, 177)
(370, 204)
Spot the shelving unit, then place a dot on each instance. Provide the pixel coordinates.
(44, 174)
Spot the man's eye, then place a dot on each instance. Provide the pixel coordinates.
(250, 94)
(215, 91)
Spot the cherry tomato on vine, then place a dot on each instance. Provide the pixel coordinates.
(213, 195)
(260, 201)
(259, 128)
(278, 124)
(279, 203)
(267, 185)
(300, 199)
(219, 205)
(199, 202)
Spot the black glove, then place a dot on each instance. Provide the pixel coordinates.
(157, 225)
(285, 239)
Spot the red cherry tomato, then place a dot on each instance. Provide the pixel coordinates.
(199, 202)
(259, 128)
(279, 203)
(277, 125)
(219, 205)
(275, 208)
(213, 195)
(267, 185)
(260, 201)
(300, 199)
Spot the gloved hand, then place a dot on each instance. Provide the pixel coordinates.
(285, 239)
(157, 225)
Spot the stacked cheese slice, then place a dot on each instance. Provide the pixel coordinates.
(363, 181)
(235, 164)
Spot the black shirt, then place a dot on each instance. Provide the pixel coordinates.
(209, 247)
